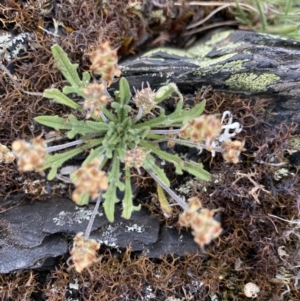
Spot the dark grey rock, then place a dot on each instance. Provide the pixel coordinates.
(173, 242)
(14, 257)
(38, 231)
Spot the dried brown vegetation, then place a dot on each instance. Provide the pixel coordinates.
(246, 251)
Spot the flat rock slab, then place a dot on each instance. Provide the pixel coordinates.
(40, 230)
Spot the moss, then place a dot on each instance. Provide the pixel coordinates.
(251, 82)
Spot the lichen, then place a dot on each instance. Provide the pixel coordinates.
(251, 82)
(135, 228)
(71, 218)
(212, 66)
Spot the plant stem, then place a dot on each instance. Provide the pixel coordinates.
(55, 148)
(91, 221)
(165, 132)
(170, 192)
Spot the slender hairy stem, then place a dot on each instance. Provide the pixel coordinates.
(170, 192)
(91, 221)
(165, 132)
(138, 116)
(55, 148)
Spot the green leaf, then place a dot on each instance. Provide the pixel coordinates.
(163, 201)
(191, 167)
(54, 122)
(61, 98)
(85, 127)
(110, 195)
(94, 153)
(83, 199)
(149, 163)
(165, 92)
(127, 202)
(179, 116)
(164, 155)
(196, 169)
(68, 69)
(57, 160)
(124, 93)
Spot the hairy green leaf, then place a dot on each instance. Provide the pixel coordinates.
(124, 92)
(61, 98)
(149, 163)
(68, 69)
(85, 127)
(110, 195)
(57, 160)
(54, 122)
(127, 202)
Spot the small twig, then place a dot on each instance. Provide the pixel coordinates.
(297, 221)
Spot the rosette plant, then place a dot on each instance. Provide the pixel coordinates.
(118, 134)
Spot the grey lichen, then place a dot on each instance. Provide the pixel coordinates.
(251, 82)
(70, 218)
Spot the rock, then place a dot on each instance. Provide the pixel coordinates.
(38, 230)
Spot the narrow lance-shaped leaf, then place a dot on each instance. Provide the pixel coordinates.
(57, 160)
(179, 116)
(54, 122)
(110, 196)
(196, 169)
(149, 163)
(127, 202)
(164, 204)
(86, 77)
(193, 168)
(68, 69)
(94, 153)
(85, 127)
(124, 92)
(164, 155)
(61, 98)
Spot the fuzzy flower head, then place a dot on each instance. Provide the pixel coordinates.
(5, 154)
(84, 252)
(95, 99)
(105, 62)
(31, 156)
(144, 99)
(89, 180)
(232, 150)
(201, 220)
(135, 157)
(204, 128)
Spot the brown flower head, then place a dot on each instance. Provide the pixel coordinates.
(84, 252)
(5, 154)
(232, 150)
(204, 128)
(89, 180)
(135, 157)
(201, 220)
(95, 99)
(105, 62)
(144, 99)
(31, 156)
